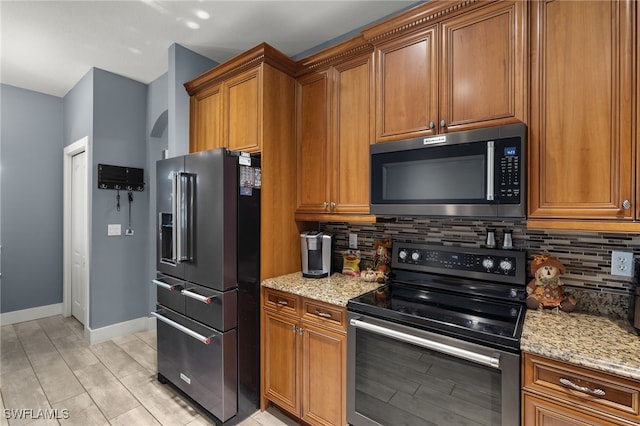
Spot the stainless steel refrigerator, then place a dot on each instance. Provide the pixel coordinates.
(208, 280)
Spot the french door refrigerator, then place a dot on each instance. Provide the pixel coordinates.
(208, 280)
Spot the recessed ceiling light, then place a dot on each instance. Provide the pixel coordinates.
(192, 25)
(202, 14)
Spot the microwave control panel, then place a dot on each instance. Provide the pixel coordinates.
(509, 170)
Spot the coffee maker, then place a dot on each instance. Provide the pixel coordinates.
(316, 251)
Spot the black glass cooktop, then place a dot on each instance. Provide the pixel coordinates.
(496, 323)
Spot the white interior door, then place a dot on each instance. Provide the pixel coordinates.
(78, 237)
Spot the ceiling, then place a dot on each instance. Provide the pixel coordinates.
(48, 46)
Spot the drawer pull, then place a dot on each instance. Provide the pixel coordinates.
(165, 285)
(569, 383)
(204, 299)
(282, 302)
(204, 339)
(322, 314)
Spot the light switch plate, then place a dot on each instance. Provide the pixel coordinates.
(622, 263)
(114, 229)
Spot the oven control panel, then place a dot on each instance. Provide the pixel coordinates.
(460, 261)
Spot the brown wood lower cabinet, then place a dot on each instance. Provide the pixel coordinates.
(555, 393)
(304, 357)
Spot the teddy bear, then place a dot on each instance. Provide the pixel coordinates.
(545, 289)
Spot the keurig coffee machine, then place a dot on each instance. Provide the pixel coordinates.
(316, 254)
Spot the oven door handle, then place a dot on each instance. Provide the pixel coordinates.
(490, 361)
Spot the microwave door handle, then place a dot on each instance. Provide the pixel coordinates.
(490, 170)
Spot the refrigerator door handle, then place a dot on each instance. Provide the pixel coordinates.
(182, 220)
(191, 215)
(175, 234)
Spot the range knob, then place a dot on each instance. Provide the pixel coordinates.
(416, 255)
(488, 263)
(506, 265)
(403, 254)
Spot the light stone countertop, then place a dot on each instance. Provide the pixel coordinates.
(591, 341)
(597, 342)
(336, 289)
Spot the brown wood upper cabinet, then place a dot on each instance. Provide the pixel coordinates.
(333, 131)
(581, 140)
(228, 103)
(247, 104)
(441, 68)
(228, 114)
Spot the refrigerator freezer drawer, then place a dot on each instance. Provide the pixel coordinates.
(213, 308)
(168, 292)
(207, 373)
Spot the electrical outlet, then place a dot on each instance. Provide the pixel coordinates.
(622, 263)
(353, 241)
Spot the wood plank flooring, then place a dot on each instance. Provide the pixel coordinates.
(50, 376)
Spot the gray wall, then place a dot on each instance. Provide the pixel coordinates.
(157, 141)
(119, 288)
(184, 65)
(31, 135)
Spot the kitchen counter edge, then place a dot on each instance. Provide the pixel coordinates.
(336, 289)
(600, 343)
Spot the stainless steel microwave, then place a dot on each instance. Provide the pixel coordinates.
(476, 174)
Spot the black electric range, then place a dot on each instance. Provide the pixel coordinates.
(473, 294)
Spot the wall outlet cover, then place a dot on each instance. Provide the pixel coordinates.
(622, 263)
(353, 241)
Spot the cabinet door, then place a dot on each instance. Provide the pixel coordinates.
(407, 82)
(352, 134)
(312, 118)
(206, 120)
(580, 141)
(482, 78)
(541, 412)
(281, 364)
(323, 376)
(243, 112)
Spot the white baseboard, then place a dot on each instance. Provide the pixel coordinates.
(93, 336)
(30, 314)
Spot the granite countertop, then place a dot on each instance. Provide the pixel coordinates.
(336, 289)
(597, 342)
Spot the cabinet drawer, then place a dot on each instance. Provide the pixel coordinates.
(323, 313)
(281, 301)
(578, 385)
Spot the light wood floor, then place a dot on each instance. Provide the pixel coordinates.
(49, 375)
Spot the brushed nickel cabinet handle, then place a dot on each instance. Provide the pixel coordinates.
(322, 314)
(282, 302)
(432, 125)
(443, 123)
(626, 204)
(584, 389)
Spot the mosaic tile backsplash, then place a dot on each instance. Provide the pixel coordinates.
(586, 255)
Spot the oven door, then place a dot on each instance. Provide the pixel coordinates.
(401, 375)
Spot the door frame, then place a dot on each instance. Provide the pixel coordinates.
(81, 145)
